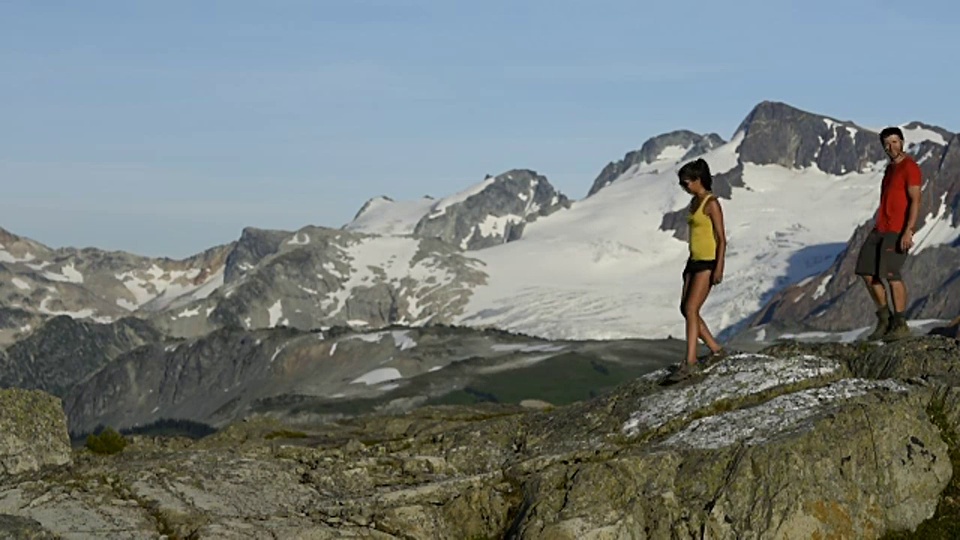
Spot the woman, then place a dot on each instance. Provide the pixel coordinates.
(704, 268)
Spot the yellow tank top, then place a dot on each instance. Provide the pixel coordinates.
(703, 245)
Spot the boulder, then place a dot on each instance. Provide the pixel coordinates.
(33, 431)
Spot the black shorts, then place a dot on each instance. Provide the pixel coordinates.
(693, 266)
(880, 256)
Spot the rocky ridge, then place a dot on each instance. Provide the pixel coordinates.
(798, 441)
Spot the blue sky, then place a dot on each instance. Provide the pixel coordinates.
(164, 128)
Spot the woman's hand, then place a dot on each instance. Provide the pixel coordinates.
(717, 276)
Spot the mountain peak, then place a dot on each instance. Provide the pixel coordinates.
(775, 133)
(668, 147)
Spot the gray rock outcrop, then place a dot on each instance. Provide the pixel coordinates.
(496, 213)
(798, 441)
(33, 432)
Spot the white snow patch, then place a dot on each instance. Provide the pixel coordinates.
(276, 313)
(21, 284)
(403, 340)
(7, 257)
(385, 217)
(492, 226)
(937, 229)
(299, 239)
(68, 274)
(378, 376)
(277, 352)
(333, 349)
(168, 289)
(919, 134)
(82, 314)
(526, 347)
(369, 338)
(126, 304)
(673, 153)
(822, 288)
(189, 312)
(813, 335)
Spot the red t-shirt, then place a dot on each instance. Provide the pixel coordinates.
(892, 214)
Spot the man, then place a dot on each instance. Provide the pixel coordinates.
(885, 249)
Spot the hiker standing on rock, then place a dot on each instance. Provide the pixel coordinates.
(885, 249)
(704, 268)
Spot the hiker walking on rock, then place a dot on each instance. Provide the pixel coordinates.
(885, 249)
(704, 267)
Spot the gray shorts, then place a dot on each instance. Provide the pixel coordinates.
(881, 257)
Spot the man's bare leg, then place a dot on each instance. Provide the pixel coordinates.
(899, 293)
(877, 291)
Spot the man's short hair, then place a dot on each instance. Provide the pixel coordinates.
(890, 131)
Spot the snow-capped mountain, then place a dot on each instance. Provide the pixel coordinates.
(485, 214)
(37, 283)
(318, 277)
(513, 253)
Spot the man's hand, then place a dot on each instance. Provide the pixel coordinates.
(906, 240)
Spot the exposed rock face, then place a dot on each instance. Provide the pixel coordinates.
(780, 445)
(311, 377)
(64, 350)
(318, 277)
(93, 284)
(33, 432)
(661, 147)
(776, 133)
(493, 212)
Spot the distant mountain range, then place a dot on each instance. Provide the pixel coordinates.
(125, 339)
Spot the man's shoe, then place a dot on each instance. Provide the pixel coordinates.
(883, 325)
(898, 329)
